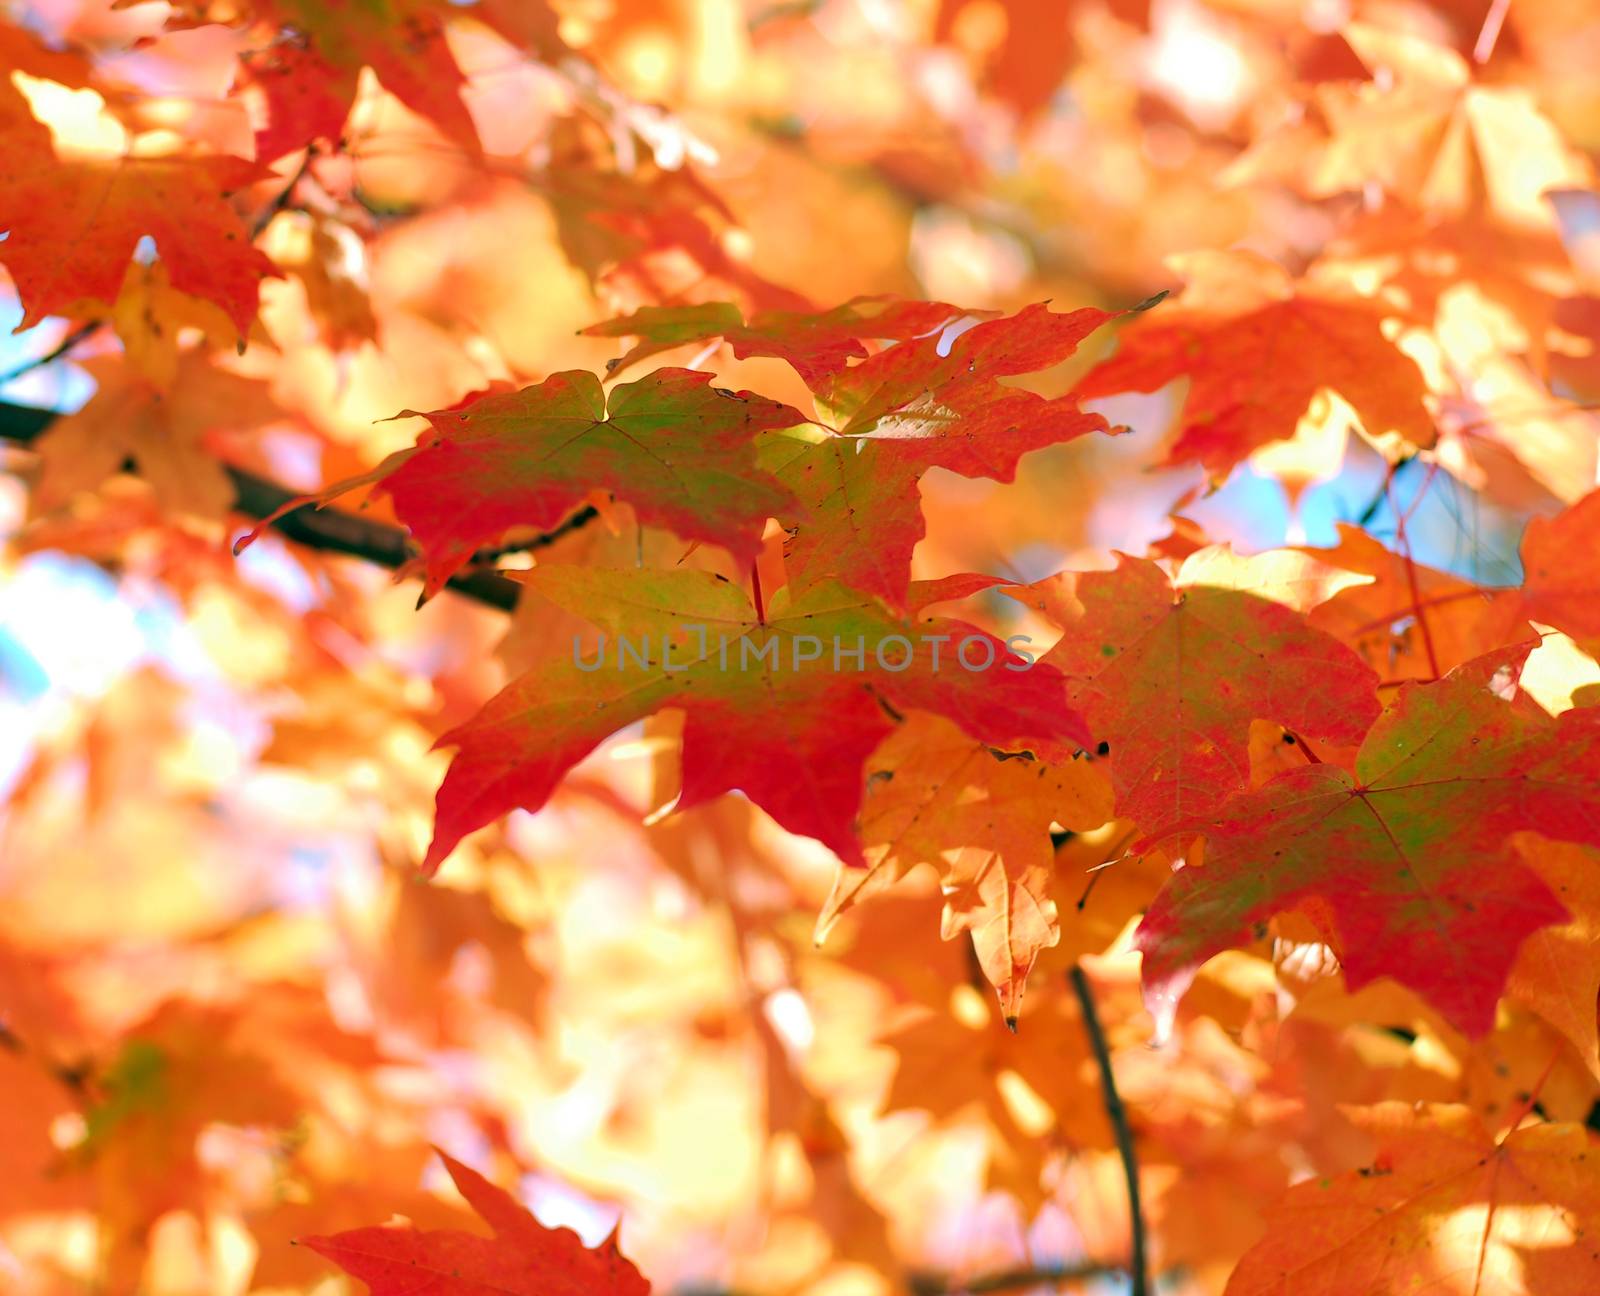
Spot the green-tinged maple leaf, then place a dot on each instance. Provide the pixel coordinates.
(678, 449)
(817, 344)
(928, 401)
(1169, 672)
(1240, 334)
(523, 1258)
(1407, 855)
(908, 409)
(982, 818)
(1443, 1206)
(775, 704)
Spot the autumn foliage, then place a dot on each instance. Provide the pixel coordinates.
(800, 649)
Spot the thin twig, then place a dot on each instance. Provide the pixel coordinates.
(280, 201)
(1530, 1100)
(1411, 574)
(1364, 519)
(1139, 1275)
(1484, 592)
(55, 353)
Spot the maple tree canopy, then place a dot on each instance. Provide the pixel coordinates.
(842, 648)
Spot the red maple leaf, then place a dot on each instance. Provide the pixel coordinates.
(309, 79)
(1406, 857)
(775, 706)
(678, 449)
(523, 1258)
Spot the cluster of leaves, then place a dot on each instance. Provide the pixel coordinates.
(1321, 821)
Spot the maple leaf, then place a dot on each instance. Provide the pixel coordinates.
(773, 700)
(1169, 672)
(816, 344)
(1031, 58)
(1428, 134)
(75, 221)
(678, 449)
(331, 1183)
(1561, 569)
(524, 1258)
(427, 928)
(908, 409)
(1406, 855)
(1025, 55)
(646, 231)
(1557, 972)
(164, 433)
(934, 399)
(1240, 333)
(185, 1068)
(1443, 1204)
(1401, 632)
(327, 259)
(954, 1060)
(41, 1044)
(155, 323)
(1429, 258)
(982, 818)
(309, 79)
(22, 51)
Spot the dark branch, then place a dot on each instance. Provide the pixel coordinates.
(53, 354)
(1139, 1271)
(1008, 1279)
(332, 530)
(927, 1284)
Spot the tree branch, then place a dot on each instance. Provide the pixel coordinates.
(1008, 1279)
(332, 530)
(1139, 1274)
(55, 353)
(932, 1284)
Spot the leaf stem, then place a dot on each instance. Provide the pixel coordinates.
(755, 589)
(1531, 1100)
(1305, 748)
(1438, 600)
(1139, 1275)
